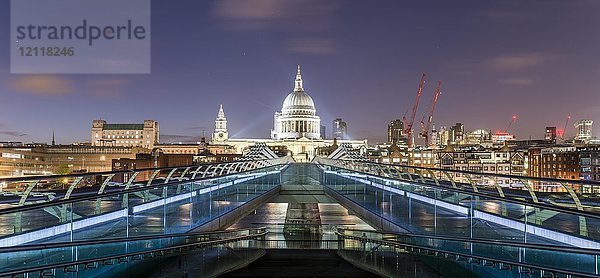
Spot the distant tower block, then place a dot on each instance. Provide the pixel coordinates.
(584, 130)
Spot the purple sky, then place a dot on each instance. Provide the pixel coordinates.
(538, 59)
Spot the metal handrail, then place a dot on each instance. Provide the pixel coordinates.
(581, 250)
(93, 196)
(119, 239)
(494, 197)
(553, 180)
(45, 177)
(159, 250)
(409, 245)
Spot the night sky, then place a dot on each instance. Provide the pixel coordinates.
(361, 61)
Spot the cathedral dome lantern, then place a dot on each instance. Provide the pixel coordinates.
(298, 117)
(298, 101)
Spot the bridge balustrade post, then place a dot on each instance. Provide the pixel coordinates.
(205, 173)
(418, 172)
(410, 176)
(238, 166)
(196, 172)
(527, 185)
(63, 207)
(432, 174)
(223, 167)
(450, 179)
(125, 203)
(501, 193)
(473, 186)
(168, 178)
(178, 191)
(28, 189)
(582, 221)
(395, 173)
(18, 227)
(97, 209)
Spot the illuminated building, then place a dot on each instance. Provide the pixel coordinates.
(298, 116)
(296, 129)
(144, 135)
(550, 134)
(340, 129)
(395, 131)
(61, 159)
(220, 134)
(584, 130)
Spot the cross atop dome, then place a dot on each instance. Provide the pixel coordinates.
(298, 86)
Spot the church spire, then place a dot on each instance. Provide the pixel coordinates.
(221, 113)
(53, 142)
(220, 134)
(298, 86)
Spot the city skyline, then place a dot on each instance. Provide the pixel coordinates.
(245, 59)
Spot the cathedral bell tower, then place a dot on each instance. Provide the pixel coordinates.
(220, 134)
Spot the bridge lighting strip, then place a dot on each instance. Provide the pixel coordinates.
(520, 226)
(61, 229)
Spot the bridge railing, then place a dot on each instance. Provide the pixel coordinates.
(431, 205)
(378, 251)
(85, 256)
(31, 190)
(570, 194)
(109, 207)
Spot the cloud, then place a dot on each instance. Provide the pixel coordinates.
(43, 85)
(306, 26)
(311, 45)
(110, 88)
(13, 133)
(518, 61)
(251, 9)
(290, 15)
(517, 81)
(109, 82)
(8, 132)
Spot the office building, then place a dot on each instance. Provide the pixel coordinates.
(144, 135)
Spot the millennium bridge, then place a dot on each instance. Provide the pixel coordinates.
(225, 219)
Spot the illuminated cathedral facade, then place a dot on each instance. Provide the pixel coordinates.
(296, 127)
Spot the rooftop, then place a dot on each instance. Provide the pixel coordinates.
(123, 127)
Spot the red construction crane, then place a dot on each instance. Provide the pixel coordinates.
(425, 130)
(409, 127)
(512, 121)
(404, 123)
(562, 136)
